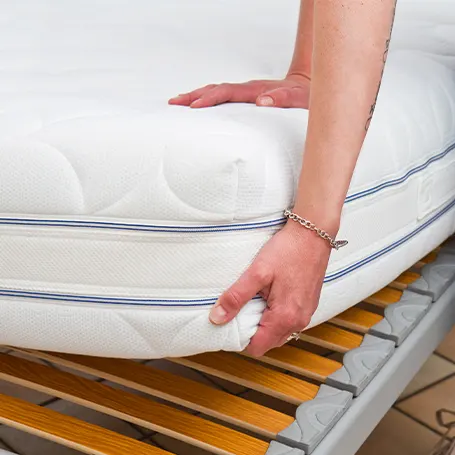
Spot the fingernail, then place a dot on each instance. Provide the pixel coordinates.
(266, 101)
(218, 314)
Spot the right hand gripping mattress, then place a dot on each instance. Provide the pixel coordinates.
(123, 219)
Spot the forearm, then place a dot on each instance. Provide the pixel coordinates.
(303, 50)
(351, 39)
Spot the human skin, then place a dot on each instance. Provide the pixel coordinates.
(336, 72)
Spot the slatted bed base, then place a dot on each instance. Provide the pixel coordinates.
(323, 394)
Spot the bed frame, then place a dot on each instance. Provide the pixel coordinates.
(339, 380)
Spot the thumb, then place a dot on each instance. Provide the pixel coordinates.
(253, 280)
(285, 97)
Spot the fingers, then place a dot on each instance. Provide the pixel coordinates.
(213, 95)
(228, 93)
(285, 97)
(250, 92)
(255, 279)
(185, 99)
(277, 323)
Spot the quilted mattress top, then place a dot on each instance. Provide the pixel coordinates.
(85, 129)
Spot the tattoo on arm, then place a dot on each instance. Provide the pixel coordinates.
(384, 59)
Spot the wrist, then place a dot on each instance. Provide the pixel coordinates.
(298, 75)
(307, 224)
(304, 237)
(324, 217)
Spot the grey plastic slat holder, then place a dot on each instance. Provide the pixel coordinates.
(436, 276)
(315, 418)
(401, 318)
(361, 365)
(276, 448)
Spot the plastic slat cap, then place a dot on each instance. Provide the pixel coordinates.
(402, 317)
(315, 418)
(361, 365)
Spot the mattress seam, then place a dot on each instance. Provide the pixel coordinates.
(209, 301)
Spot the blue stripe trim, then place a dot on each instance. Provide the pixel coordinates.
(143, 227)
(103, 302)
(188, 303)
(357, 265)
(112, 300)
(399, 180)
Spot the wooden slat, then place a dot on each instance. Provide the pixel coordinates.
(431, 257)
(357, 319)
(177, 389)
(404, 280)
(331, 337)
(309, 347)
(68, 431)
(251, 375)
(302, 362)
(385, 297)
(131, 408)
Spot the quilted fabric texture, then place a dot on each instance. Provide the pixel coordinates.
(122, 219)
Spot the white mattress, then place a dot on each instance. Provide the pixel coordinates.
(122, 219)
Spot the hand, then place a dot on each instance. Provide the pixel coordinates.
(288, 273)
(293, 91)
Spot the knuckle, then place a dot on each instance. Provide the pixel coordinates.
(225, 86)
(232, 300)
(294, 318)
(303, 320)
(219, 93)
(289, 318)
(304, 314)
(260, 272)
(208, 91)
(261, 85)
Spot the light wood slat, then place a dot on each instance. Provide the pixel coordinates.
(385, 297)
(431, 257)
(68, 431)
(251, 375)
(177, 389)
(357, 319)
(131, 408)
(302, 362)
(404, 280)
(332, 337)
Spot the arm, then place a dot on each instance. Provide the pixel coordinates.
(303, 50)
(350, 47)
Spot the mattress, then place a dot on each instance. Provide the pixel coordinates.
(122, 219)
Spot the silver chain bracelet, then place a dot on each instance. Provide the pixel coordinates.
(336, 244)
